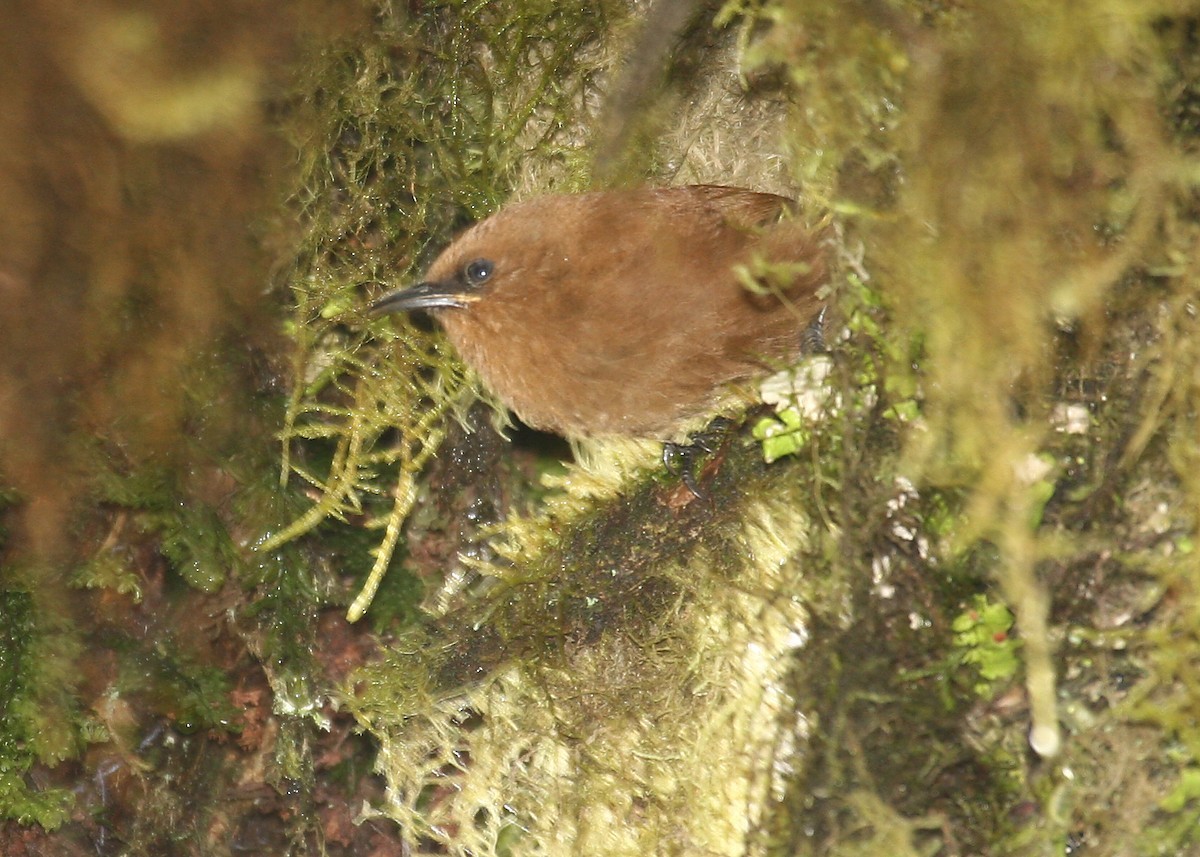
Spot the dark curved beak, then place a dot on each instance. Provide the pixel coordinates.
(426, 295)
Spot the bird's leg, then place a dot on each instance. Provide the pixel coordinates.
(680, 458)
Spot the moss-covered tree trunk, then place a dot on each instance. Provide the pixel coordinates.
(954, 614)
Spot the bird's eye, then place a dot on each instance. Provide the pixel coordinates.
(479, 271)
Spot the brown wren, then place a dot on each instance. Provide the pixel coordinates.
(619, 312)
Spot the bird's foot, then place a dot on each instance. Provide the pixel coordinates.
(680, 458)
(812, 340)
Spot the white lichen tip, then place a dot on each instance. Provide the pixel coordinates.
(1046, 740)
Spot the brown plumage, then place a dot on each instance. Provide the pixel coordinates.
(618, 312)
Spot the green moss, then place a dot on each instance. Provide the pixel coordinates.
(847, 70)
(38, 721)
(782, 435)
(426, 125)
(981, 635)
(107, 570)
(191, 533)
(168, 679)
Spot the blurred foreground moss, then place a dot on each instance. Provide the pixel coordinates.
(121, 660)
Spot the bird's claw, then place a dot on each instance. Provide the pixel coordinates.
(680, 458)
(812, 340)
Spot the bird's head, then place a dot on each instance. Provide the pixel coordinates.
(485, 264)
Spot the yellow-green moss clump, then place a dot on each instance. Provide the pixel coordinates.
(627, 675)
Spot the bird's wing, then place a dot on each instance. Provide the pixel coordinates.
(747, 209)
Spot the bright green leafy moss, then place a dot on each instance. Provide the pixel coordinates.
(983, 639)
